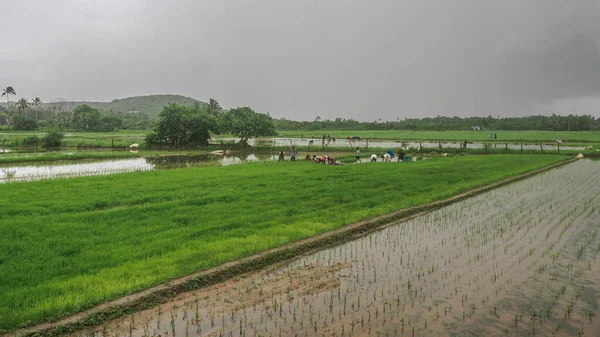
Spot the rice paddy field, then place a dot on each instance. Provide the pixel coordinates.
(69, 244)
(520, 260)
(573, 137)
(84, 139)
(128, 137)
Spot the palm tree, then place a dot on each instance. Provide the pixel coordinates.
(7, 92)
(22, 104)
(213, 107)
(36, 102)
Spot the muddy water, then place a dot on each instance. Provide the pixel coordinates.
(521, 260)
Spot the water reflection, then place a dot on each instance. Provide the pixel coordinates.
(54, 170)
(366, 143)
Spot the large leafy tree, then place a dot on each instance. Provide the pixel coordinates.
(245, 123)
(86, 118)
(182, 126)
(62, 114)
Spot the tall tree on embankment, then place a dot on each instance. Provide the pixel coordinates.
(245, 123)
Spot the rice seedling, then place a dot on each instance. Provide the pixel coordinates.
(394, 278)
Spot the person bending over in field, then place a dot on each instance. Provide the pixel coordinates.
(373, 158)
(281, 156)
(400, 156)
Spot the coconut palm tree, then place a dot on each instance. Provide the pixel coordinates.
(7, 92)
(36, 102)
(213, 107)
(22, 105)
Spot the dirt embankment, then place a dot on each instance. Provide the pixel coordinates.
(169, 290)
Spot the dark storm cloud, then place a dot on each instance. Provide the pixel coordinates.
(355, 59)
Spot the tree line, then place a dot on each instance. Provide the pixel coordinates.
(441, 123)
(179, 126)
(27, 114)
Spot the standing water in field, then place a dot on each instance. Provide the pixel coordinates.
(81, 168)
(62, 170)
(521, 260)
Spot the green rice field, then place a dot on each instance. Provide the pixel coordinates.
(69, 244)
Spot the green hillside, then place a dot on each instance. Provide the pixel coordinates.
(151, 104)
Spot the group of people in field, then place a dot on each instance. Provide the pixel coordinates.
(330, 160)
(324, 159)
(386, 157)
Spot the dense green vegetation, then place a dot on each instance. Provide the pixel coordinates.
(149, 105)
(180, 126)
(69, 244)
(441, 123)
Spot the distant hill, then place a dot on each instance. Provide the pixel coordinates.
(151, 104)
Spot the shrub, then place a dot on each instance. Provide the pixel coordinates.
(52, 138)
(33, 140)
(23, 123)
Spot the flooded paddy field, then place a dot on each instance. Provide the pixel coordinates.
(317, 143)
(521, 260)
(16, 172)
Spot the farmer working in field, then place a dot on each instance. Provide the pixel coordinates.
(281, 156)
(293, 153)
(400, 155)
(358, 155)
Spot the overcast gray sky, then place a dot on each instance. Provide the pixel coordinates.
(299, 59)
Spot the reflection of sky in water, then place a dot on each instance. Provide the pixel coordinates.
(230, 160)
(318, 142)
(62, 170)
(23, 173)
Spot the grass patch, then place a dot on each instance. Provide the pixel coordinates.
(84, 139)
(69, 244)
